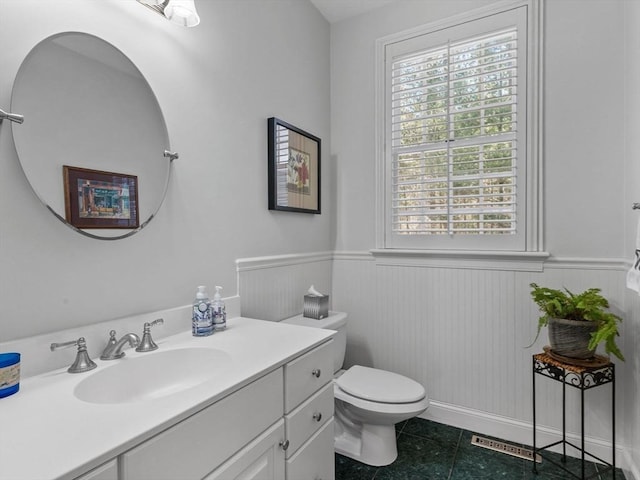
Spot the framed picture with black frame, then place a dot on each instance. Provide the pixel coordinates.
(294, 168)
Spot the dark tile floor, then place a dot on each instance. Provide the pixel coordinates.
(433, 451)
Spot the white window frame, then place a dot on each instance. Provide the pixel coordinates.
(530, 246)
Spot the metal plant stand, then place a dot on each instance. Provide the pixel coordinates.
(583, 378)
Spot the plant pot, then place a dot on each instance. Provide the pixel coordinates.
(570, 338)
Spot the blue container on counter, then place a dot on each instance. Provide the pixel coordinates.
(9, 374)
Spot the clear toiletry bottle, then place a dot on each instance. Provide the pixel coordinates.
(202, 318)
(219, 312)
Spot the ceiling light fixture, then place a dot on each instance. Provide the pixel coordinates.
(180, 12)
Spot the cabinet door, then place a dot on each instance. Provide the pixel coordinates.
(262, 459)
(107, 471)
(316, 459)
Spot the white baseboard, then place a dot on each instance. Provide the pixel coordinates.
(517, 431)
(631, 469)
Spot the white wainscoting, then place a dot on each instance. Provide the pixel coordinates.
(631, 386)
(463, 333)
(275, 286)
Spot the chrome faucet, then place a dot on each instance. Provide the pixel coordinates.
(113, 350)
(82, 362)
(147, 344)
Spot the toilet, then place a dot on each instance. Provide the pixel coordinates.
(368, 401)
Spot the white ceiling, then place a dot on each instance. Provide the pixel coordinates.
(336, 10)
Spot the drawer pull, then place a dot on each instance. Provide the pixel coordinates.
(316, 372)
(284, 444)
(317, 416)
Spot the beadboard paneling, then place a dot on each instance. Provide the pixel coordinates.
(463, 334)
(630, 385)
(273, 288)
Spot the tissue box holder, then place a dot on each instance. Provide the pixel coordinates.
(316, 307)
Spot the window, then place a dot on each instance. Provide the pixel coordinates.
(458, 156)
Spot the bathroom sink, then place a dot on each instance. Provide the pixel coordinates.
(153, 375)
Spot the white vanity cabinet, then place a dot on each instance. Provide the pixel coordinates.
(309, 407)
(300, 446)
(266, 415)
(278, 427)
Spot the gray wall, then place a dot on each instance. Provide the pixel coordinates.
(584, 152)
(217, 84)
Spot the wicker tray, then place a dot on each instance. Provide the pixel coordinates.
(593, 362)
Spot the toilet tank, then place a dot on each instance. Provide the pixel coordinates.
(335, 321)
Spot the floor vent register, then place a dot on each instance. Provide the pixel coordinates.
(503, 447)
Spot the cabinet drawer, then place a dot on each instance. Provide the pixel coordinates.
(316, 459)
(305, 420)
(199, 444)
(306, 374)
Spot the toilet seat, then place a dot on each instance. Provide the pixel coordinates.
(411, 409)
(379, 386)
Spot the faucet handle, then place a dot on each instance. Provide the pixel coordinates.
(112, 337)
(56, 346)
(157, 321)
(82, 362)
(147, 344)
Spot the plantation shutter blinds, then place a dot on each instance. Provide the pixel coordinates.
(455, 135)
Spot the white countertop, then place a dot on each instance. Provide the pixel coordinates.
(48, 433)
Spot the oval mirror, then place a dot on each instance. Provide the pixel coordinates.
(93, 140)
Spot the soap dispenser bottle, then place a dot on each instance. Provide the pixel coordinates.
(202, 319)
(219, 312)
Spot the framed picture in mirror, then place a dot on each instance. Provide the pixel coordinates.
(98, 199)
(294, 168)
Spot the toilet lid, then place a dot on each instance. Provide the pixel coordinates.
(379, 385)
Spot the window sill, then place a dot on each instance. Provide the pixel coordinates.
(481, 260)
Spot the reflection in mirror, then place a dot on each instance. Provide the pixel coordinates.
(86, 105)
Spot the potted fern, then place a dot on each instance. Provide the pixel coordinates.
(577, 323)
